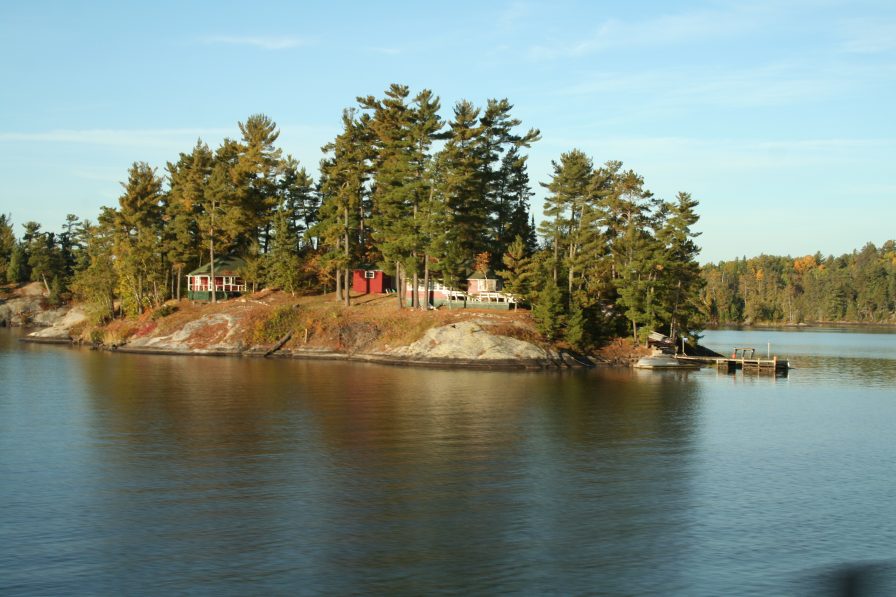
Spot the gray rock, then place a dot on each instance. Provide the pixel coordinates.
(469, 341)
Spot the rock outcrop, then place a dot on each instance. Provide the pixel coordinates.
(215, 333)
(469, 341)
(61, 322)
(27, 307)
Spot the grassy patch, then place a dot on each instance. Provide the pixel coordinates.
(281, 321)
(117, 332)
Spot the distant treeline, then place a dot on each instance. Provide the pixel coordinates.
(402, 189)
(859, 287)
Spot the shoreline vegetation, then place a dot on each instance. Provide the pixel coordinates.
(855, 288)
(274, 324)
(429, 198)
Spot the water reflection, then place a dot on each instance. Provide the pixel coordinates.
(238, 473)
(136, 474)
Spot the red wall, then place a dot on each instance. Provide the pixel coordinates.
(376, 285)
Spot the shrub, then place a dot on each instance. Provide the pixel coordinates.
(280, 322)
(548, 311)
(163, 311)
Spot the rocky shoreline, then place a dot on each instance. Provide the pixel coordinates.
(364, 333)
(556, 361)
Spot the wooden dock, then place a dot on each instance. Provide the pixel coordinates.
(744, 359)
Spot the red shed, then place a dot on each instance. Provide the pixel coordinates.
(371, 281)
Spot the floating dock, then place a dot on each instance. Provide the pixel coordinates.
(742, 358)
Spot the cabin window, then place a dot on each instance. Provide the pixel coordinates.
(369, 274)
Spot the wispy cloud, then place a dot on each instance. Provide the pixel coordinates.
(261, 41)
(764, 85)
(117, 137)
(732, 155)
(869, 36)
(658, 31)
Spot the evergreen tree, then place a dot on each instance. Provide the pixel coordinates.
(682, 283)
(44, 259)
(628, 211)
(426, 128)
(393, 226)
(138, 220)
(69, 248)
(504, 178)
(282, 261)
(7, 246)
(96, 282)
(342, 228)
(255, 179)
(183, 208)
(569, 198)
(517, 274)
(548, 311)
(17, 269)
(467, 209)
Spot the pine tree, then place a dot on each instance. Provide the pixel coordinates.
(138, 221)
(44, 258)
(548, 311)
(394, 179)
(682, 283)
(95, 283)
(7, 246)
(463, 165)
(69, 248)
(517, 274)
(282, 261)
(425, 129)
(342, 222)
(17, 268)
(628, 212)
(182, 206)
(504, 177)
(569, 196)
(255, 178)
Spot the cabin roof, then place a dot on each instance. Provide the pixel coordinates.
(480, 276)
(224, 266)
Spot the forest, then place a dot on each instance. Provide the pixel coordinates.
(403, 188)
(859, 287)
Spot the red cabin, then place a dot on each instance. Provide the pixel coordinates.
(371, 281)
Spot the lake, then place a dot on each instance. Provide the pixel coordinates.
(137, 474)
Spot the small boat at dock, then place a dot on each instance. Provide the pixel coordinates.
(660, 360)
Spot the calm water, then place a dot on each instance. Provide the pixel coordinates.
(129, 474)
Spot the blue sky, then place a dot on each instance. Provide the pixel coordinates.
(777, 116)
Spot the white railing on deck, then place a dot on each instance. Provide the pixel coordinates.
(493, 297)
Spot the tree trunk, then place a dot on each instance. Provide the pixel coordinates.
(398, 289)
(211, 261)
(338, 284)
(347, 285)
(426, 280)
(415, 301)
(556, 257)
(347, 258)
(180, 274)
